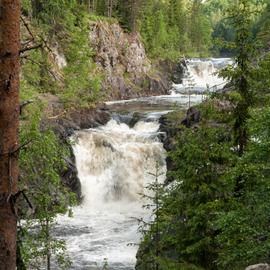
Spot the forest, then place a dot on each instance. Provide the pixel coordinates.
(62, 60)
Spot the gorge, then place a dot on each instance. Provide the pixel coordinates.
(115, 164)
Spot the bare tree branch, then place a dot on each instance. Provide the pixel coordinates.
(30, 48)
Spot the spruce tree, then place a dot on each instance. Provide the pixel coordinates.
(244, 49)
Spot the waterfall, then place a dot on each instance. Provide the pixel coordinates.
(115, 163)
(201, 75)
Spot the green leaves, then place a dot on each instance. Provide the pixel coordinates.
(41, 164)
(206, 222)
(169, 29)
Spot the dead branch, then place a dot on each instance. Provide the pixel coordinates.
(22, 146)
(56, 116)
(45, 43)
(25, 103)
(27, 28)
(42, 66)
(30, 48)
(26, 42)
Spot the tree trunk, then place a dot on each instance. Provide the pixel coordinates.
(9, 126)
(92, 4)
(89, 6)
(134, 14)
(109, 8)
(48, 244)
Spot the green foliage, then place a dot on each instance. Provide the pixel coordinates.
(216, 211)
(223, 25)
(41, 164)
(240, 75)
(199, 27)
(244, 228)
(201, 158)
(261, 80)
(65, 27)
(173, 28)
(263, 25)
(189, 206)
(81, 81)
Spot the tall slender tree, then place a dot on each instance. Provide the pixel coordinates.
(134, 15)
(110, 7)
(241, 14)
(9, 125)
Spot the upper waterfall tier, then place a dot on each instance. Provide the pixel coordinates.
(200, 75)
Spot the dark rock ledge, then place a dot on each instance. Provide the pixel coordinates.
(64, 123)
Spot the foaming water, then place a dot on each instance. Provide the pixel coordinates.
(115, 163)
(201, 74)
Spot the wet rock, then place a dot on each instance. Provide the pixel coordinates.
(193, 116)
(135, 119)
(170, 125)
(179, 71)
(69, 176)
(64, 124)
(173, 70)
(261, 266)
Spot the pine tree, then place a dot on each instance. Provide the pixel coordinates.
(9, 125)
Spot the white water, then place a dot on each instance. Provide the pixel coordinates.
(201, 75)
(114, 162)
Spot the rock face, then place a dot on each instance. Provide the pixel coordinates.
(261, 266)
(174, 70)
(170, 125)
(121, 57)
(64, 124)
(127, 73)
(179, 71)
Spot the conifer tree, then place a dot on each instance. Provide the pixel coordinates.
(241, 16)
(9, 125)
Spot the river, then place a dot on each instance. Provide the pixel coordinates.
(115, 163)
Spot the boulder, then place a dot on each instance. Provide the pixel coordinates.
(64, 123)
(261, 266)
(193, 116)
(179, 71)
(69, 176)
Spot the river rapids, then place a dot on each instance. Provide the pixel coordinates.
(115, 163)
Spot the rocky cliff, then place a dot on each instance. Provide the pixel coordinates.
(126, 71)
(122, 59)
(64, 123)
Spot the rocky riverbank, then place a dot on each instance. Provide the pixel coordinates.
(126, 72)
(64, 123)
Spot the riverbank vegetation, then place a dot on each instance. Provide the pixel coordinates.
(214, 214)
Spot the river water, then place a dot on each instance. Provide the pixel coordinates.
(116, 162)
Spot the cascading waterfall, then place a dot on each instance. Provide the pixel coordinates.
(116, 160)
(115, 163)
(201, 75)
